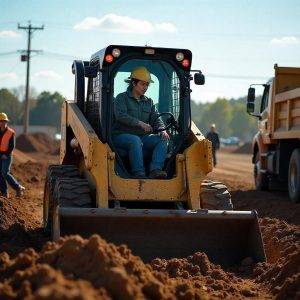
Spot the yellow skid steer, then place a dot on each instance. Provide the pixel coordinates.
(93, 189)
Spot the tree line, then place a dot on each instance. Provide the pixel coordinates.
(45, 108)
(229, 115)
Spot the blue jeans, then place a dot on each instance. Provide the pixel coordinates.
(136, 144)
(6, 176)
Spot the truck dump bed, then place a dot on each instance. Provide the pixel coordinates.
(287, 103)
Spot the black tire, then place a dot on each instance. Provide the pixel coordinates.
(261, 180)
(215, 195)
(53, 173)
(72, 192)
(294, 176)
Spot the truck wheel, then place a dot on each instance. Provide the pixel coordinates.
(260, 179)
(215, 195)
(53, 173)
(294, 176)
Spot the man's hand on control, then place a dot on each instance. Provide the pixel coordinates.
(147, 128)
(164, 135)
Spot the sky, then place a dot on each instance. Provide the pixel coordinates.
(234, 43)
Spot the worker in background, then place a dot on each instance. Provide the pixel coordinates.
(213, 136)
(132, 131)
(7, 145)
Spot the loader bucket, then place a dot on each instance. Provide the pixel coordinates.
(227, 237)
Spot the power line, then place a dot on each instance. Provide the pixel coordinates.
(30, 29)
(61, 55)
(7, 53)
(247, 77)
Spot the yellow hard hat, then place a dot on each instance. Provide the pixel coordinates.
(3, 117)
(140, 73)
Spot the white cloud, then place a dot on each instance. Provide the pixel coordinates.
(8, 76)
(285, 41)
(47, 74)
(122, 24)
(168, 27)
(9, 34)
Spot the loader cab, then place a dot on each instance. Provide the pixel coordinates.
(170, 92)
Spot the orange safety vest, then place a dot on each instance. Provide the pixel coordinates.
(4, 144)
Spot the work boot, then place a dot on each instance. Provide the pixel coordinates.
(20, 191)
(140, 175)
(158, 174)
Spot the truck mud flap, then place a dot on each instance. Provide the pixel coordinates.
(227, 237)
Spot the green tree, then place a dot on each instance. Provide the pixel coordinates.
(10, 104)
(47, 110)
(218, 113)
(240, 122)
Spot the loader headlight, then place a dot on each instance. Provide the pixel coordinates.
(116, 52)
(179, 56)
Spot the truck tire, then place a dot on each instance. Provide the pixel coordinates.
(53, 173)
(294, 176)
(215, 195)
(261, 180)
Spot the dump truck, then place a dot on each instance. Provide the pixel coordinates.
(276, 145)
(93, 191)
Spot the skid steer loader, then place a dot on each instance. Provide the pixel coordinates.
(93, 190)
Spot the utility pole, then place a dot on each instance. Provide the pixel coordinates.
(30, 29)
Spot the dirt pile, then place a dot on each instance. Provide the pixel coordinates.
(88, 267)
(20, 157)
(37, 142)
(216, 282)
(20, 218)
(17, 232)
(281, 273)
(244, 149)
(29, 172)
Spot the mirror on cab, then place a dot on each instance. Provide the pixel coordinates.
(199, 78)
(251, 95)
(250, 100)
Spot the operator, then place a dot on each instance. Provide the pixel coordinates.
(7, 145)
(213, 136)
(134, 112)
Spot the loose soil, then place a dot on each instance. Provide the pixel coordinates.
(246, 148)
(31, 267)
(37, 142)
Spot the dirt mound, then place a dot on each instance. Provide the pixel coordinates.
(29, 172)
(216, 282)
(281, 273)
(244, 149)
(21, 218)
(21, 157)
(85, 267)
(37, 142)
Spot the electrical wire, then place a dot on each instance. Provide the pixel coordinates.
(8, 53)
(246, 77)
